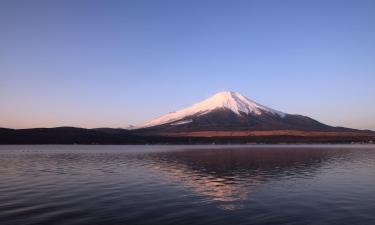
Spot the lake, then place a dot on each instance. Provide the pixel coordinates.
(130, 185)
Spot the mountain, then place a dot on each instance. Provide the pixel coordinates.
(231, 111)
(226, 117)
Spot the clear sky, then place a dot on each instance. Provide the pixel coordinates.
(115, 63)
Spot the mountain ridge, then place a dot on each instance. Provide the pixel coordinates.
(109, 136)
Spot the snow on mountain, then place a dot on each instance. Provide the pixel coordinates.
(130, 127)
(233, 101)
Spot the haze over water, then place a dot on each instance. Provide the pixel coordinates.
(285, 184)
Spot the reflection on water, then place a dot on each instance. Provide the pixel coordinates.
(187, 184)
(230, 175)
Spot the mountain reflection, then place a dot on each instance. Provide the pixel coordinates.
(229, 176)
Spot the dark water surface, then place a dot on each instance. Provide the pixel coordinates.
(287, 184)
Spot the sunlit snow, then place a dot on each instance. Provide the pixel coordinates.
(233, 101)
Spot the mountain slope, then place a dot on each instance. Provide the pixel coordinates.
(230, 111)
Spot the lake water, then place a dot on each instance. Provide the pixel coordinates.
(280, 184)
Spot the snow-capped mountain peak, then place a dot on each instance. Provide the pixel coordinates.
(233, 101)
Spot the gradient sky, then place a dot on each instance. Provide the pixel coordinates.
(115, 63)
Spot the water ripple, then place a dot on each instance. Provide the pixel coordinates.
(187, 185)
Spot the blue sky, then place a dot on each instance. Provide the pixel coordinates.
(115, 63)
